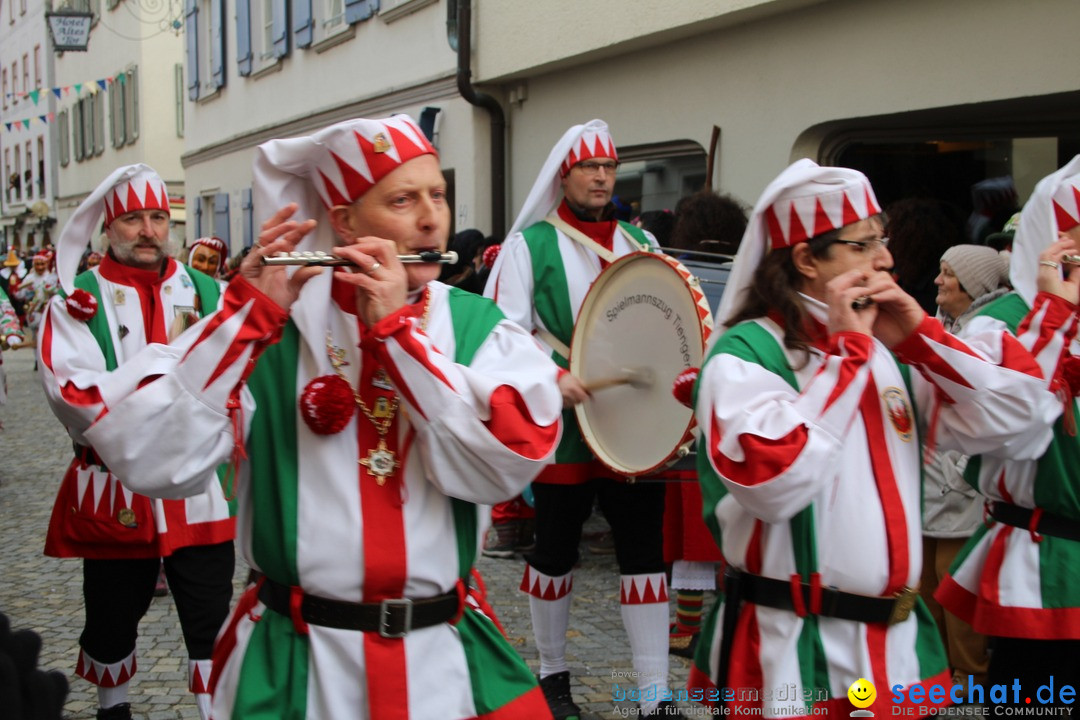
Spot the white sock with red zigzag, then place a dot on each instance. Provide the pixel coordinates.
(644, 603)
(549, 604)
(199, 685)
(111, 696)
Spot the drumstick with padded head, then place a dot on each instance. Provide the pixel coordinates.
(638, 378)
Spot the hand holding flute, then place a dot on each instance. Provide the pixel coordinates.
(278, 234)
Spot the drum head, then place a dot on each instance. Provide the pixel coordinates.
(645, 318)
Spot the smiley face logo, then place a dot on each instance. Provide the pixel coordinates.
(862, 693)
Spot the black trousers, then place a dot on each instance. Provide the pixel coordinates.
(118, 594)
(1033, 662)
(635, 512)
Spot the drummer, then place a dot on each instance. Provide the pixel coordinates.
(810, 453)
(553, 253)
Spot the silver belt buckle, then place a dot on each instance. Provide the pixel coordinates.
(384, 617)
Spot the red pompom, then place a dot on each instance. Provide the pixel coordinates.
(327, 404)
(81, 305)
(683, 387)
(1070, 373)
(490, 253)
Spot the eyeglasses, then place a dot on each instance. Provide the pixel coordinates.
(592, 167)
(865, 245)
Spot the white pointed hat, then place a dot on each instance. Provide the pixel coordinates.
(1054, 206)
(335, 166)
(804, 201)
(580, 142)
(126, 189)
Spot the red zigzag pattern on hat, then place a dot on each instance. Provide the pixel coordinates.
(151, 202)
(1065, 219)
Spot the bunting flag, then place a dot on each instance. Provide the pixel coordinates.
(92, 87)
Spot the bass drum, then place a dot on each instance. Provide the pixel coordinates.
(643, 321)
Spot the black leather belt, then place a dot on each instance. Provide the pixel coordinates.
(1046, 523)
(833, 603)
(392, 618)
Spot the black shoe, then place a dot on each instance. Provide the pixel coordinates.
(556, 690)
(116, 712)
(666, 709)
(684, 646)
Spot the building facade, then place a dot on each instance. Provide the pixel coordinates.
(27, 203)
(120, 101)
(926, 97)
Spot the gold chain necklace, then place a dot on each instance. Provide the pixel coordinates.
(381, 461)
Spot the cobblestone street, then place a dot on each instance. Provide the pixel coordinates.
(44, 594)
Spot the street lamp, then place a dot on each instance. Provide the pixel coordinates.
(70, 29)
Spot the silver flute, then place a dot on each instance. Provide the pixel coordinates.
(326, 259)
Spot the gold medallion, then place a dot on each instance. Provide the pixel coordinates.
(167, 289)
(381, 462)
(382, 408)
(381, 380)
(381, 144)
(118, 297)
(126, 517)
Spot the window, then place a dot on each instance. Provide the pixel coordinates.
(88, 127)
(98, 104)
(8, 186)
(77, 131)
(63, 128)
(204, 26)
(984, 171)
(16, 177)
(655, 177)
(117, 128)
(262, 36)
(41, 166)
(22, 7)
(87, 114)
(131, 103)
(26, 73)
(123, 113)
(15, 83)
(391, 10)
(178, 77)
(333, 16)
(266, 17)
(4, 73)
(37, 66)
(28, 174)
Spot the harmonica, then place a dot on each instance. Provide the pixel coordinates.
(326, 259)
(861, 303)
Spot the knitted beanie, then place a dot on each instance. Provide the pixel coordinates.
(978, 268)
